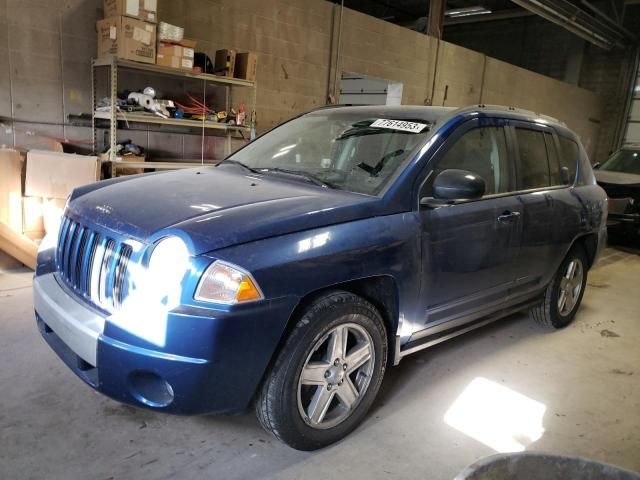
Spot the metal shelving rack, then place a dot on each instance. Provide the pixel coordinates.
(114, 65)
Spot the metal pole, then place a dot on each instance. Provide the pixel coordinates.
(114, 113)
(338, 46)
(94, 133)
(204, 117)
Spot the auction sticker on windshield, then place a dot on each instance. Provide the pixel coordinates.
(401, 125)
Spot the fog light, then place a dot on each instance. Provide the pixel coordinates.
(150, 389)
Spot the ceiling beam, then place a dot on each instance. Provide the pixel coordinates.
(568, 22)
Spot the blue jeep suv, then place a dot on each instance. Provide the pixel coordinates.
(294, 272)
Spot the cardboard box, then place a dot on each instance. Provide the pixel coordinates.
(127, 38)
(41, 216)
(172, 61)
(146, 10)
(246, 66)
(131, 171)
(11, 188)
(187, 43)
(52, 210)
(55, 175)
(170, 33)
(175, 50)
(225, 63)
(33, 218)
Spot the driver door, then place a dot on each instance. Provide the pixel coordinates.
(469, 249)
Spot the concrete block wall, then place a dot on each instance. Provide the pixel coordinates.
(581, 109)
(535, 44)
(292, 39)
(45, 51)
(48, 45)
(605, 72)
(384, 50)
(530, 42)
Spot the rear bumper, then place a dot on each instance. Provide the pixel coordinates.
(621, 219)
(231, 352)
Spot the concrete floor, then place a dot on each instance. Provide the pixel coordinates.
(576, 392)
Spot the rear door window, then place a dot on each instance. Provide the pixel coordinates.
(568, 157)
(533, 164)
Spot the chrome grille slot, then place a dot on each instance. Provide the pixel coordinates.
(120, 275)
(92, 264)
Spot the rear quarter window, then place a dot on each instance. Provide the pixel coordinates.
(568, 157)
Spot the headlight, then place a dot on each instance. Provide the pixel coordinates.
(227, 284)
(168, 264)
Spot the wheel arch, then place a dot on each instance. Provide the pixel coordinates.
(589, 243)
(380, 290)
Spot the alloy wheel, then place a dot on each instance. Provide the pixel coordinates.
(336, 375)
(570, 287)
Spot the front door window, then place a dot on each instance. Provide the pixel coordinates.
(482, 151)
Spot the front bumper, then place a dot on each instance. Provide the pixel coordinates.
(212, 361)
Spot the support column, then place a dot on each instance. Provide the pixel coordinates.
(436, 18)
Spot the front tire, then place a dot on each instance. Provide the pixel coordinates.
(564, 294)
(327, 375)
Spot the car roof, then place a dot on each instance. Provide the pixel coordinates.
(442, 114)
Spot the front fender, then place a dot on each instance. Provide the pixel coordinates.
(301, 263)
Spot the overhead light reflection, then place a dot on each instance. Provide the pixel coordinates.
(316, 241)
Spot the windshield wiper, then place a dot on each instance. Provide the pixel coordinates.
(309, 177)
(361, 132)
(375, 170)
(235, 162)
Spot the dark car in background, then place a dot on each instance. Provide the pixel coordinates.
(619, 176)
(292, 274)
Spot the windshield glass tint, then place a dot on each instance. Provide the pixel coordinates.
(627, 161)
(347, 151)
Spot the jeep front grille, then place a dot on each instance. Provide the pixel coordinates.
(92, 264)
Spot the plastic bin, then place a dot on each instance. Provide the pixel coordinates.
(542, 466)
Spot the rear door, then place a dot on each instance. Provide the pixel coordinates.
(537, 179)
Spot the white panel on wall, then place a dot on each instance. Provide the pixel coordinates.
(632, 131)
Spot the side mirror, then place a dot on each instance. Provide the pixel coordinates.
(453, 185)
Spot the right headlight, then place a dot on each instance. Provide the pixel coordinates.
(227, 284)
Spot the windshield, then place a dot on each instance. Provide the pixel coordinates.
(345, 150)
(626, 161)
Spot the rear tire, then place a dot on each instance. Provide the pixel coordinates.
(564, 294)
(312, 397)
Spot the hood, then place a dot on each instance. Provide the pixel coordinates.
(619, 178)
(216, 207)
(619, 184)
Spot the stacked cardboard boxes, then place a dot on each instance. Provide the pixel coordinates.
(48, 178)
(229, 63)
(128, 30)
(178, 54)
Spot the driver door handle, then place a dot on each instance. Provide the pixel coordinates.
(508, 216)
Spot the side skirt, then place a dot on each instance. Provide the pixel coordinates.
(442, 336)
